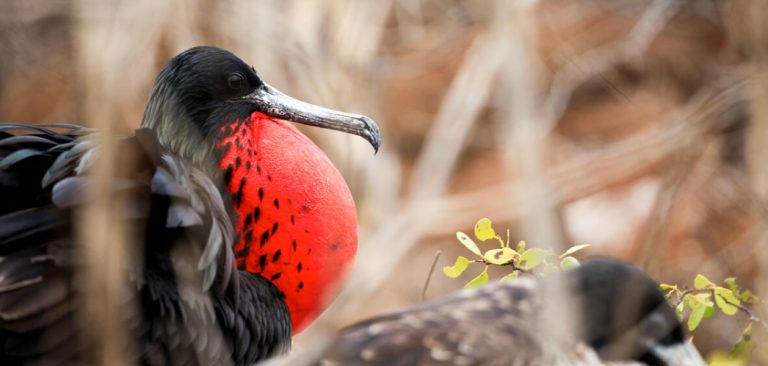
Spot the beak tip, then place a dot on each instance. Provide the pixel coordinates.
(376, 143)
(374, 133)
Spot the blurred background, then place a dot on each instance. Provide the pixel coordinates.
(636, 126)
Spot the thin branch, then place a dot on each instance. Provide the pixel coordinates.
(519, 269)
(512, 264)
(429, 276)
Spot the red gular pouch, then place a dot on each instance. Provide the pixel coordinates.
(296, 221)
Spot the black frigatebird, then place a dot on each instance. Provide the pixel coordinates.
(221, 191)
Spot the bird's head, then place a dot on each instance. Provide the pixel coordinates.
(291, 207)
(626, 317)
(205, 88)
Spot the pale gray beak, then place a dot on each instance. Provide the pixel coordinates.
(273, 103)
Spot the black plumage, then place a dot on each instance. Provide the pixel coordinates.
(616, 310)
(178, 209)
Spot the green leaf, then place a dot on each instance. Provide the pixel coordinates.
(704, 298)
(484, 230)
(480, 280)
(701, 307)
(499, 256)
(710, 311)
(575, 249)
(748, 297)
(569, 262)
(457, 268)
(725, 307)
(698, 310)
(510, 277)
(701, 282)
(725, 358)
(745, 345)
(532, 258)
(726, 300)
(679, 310)
(727, 295)
(731, 283)
(665, 287)
(468, 243)
(520, 246)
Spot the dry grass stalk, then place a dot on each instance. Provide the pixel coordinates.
(104, 236)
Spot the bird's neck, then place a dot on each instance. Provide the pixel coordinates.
(188, 134)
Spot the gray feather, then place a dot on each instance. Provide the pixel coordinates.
(16, 157)
(66, 162)
(26, 139)
(69, 192)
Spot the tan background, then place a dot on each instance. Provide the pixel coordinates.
(635, 126)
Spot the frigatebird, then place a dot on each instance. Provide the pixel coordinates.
(243, 225)
(616, 313)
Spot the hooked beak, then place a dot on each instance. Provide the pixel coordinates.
(273, 103)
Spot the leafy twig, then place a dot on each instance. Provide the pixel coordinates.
(530, 261)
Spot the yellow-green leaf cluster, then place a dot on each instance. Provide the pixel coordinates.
(704, 298)
(744, 295)
(701, 302)
(536, 261)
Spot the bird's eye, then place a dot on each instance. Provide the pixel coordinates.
(236, 81)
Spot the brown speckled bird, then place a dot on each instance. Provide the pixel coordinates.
(620, 316)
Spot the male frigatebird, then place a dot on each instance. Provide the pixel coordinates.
(220, 191)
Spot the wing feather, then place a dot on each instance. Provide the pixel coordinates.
(43, 182)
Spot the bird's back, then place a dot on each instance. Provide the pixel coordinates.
(493, 325)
